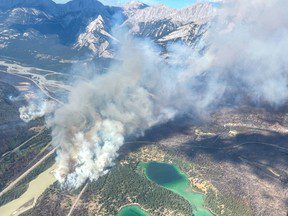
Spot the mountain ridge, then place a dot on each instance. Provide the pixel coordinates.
(72, 28)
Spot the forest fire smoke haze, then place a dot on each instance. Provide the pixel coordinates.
(36, 109)
(249, 42)
(244, 51)
(92, 126)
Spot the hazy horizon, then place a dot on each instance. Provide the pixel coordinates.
(170, 3)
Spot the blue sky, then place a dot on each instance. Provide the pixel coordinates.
(171, 3)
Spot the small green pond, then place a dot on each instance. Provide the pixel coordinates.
(170, 177)
(132, 210)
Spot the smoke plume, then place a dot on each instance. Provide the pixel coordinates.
(36, 109)
(247, 49)
(243, 54)
(100, 113)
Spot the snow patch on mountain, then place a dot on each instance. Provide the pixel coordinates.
(132, 7)
(166, 25)
(199, 13)
(27, 16)
(84, 26)
(96, 38)
(190, 34)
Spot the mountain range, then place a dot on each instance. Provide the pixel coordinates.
(46, 33)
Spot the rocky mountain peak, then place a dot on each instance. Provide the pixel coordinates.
(84, 5)
(47, 5)
(96, 24)
(135, 5)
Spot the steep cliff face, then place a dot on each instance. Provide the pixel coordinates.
(85, 26)
(96, 39)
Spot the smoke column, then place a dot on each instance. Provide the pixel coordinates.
(92, 126)
(36, 109)
(244, 52)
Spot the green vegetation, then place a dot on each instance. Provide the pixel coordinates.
(13, 130)
(124, 185)
(59, 77)
(22, 186)
(13, 194)
(127, 185)
(132, 211)
(226, 205)
(51, 203)
(170, 177)
(216, 201)
(13, 164)
(8, 110)
(11, 142)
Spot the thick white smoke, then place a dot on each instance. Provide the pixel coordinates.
(92, 126)
(36, 109)
(244, 52)
(247, 49)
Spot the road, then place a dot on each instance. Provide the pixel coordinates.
(22, 144)
(44, 91)
(235, 146)
(12, 184)
(77, 200)
(242, 144)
